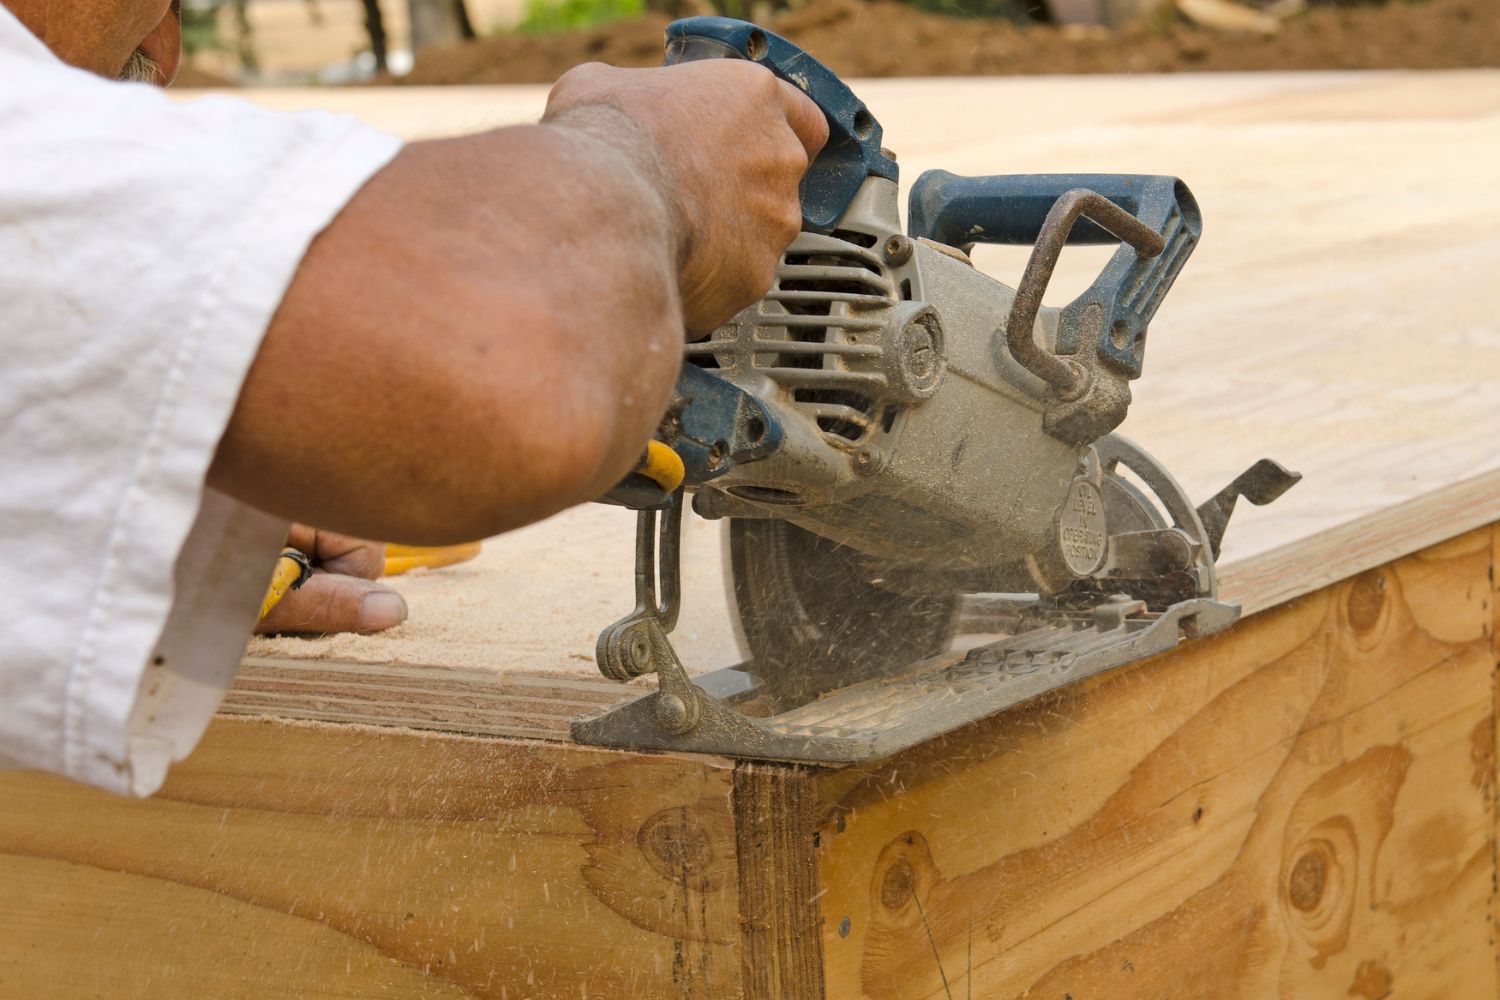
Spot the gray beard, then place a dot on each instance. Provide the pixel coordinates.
(140, 68)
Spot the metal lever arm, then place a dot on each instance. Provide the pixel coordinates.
(1069, 378)
(625, 649)
(853, 150)
(1262, 483)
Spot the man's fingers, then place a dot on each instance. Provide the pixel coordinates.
(339, 553)
(303, 538)
(350, 556)
(332, 602)
(805, 118)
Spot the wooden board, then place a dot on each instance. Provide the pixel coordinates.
(1302, 808)
(1341, 316)
(314, 860)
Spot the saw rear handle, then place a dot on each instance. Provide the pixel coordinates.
(1044, 210)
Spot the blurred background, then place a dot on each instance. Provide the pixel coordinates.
(393, 42)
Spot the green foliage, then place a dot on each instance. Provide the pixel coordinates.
(200, 27)
(568, 15)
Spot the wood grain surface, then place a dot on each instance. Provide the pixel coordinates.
(342, 861)
(1302, 807)
(775, 809)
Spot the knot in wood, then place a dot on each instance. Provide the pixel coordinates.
(1372, 980)
(1366, 600)
(675, 844)
(897, 886)
(1308, 879)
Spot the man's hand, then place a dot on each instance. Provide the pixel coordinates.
(727, 144)
(341, 595)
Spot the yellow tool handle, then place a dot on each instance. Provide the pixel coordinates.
(662, 466)
(292, 570)
(400, 558)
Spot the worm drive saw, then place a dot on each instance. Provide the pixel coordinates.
(907, 450)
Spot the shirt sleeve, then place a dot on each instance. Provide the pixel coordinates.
(146, 244)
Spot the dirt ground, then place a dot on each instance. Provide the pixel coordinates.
(882, 38)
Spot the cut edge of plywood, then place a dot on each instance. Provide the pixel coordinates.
(776, 833)
(444, 699)
(516, 704)
(1287, 572)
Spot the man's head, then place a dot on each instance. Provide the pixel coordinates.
(128, 39)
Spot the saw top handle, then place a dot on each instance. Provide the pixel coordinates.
(1156, 219)
(1011, 209)
(853, 150)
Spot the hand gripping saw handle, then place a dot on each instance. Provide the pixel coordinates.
(711, 424)
(853, 150)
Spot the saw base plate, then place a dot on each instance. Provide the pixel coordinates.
(871, 719)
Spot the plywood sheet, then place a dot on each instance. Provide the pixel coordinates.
(1341, 316)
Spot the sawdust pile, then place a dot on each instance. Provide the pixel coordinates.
(881, 38)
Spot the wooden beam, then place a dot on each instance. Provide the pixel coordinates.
(1486, 754)
(1303, 806)
(1288, 571)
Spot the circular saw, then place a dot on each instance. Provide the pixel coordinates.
(907, 450)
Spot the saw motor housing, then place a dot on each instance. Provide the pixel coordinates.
(909, 431)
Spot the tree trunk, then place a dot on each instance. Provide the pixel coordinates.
(465, 26)
(375, 28)
(244, 43)
(434, 22)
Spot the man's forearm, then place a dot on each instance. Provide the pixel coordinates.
(484, 335)
(491, 329)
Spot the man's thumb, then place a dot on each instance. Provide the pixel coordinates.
(332, 602)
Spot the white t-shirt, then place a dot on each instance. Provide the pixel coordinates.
(144, 246)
